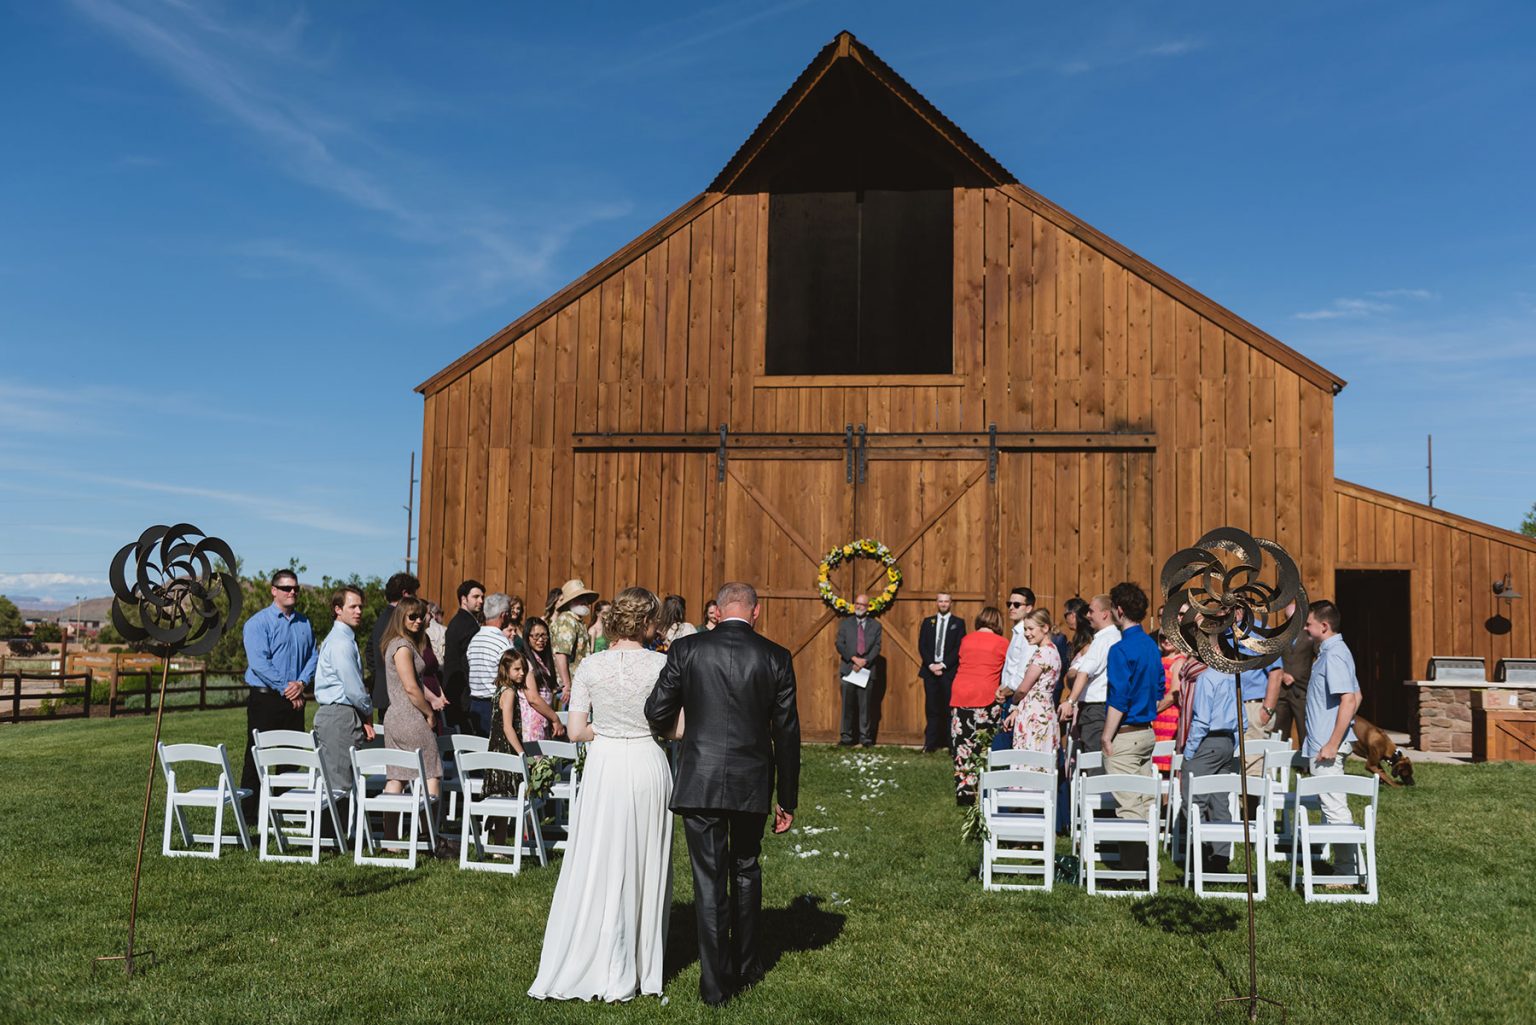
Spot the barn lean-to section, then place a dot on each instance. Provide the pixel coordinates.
(1095, 413)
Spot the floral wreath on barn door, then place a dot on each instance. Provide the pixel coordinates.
(863, 548)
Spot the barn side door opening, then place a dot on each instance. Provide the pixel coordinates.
(1378, 627)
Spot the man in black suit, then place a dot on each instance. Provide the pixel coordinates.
(737, 694)
(461, 630)
(938, 648)
(858, 647)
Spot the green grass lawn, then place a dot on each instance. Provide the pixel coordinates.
(887, 923)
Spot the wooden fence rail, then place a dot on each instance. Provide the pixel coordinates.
(216, 695)
(50, 704)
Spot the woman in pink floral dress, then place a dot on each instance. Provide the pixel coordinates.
(1033, 720)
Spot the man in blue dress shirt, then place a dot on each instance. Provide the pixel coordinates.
(1210, 748)
(1333, 696)
(1135, 687)
(344, 718)
(280, 657)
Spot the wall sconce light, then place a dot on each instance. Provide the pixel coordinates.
(1504, 589)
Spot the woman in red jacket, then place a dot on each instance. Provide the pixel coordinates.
(973, 696)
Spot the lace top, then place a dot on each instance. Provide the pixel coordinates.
(611, 686)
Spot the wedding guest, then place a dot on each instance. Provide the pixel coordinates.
(344, 712)
(408, 722)
(280, 656)
(399, 585)
(464, 625)
(674, 621)
(568, 633)
(938, 650)
(1085, 704)
(598, 631)
(551, 604)
(541, 663)
(535, 697)
(437, 633)
(511, 671)
(711, 614)
(515, 616)
(1021, 602)
(1166, 725)
(1075, 634)
(1296, 662)
(1333, 697)
(483, 654)
(1209, 749)
(1032, 724)
(1135, 685)
(973, 695)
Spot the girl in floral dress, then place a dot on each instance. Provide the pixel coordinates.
(1033, 720)
(536, 695)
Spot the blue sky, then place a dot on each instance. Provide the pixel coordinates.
(234, 236)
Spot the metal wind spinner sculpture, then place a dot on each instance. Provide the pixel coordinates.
(169, 580)
(1219, 609)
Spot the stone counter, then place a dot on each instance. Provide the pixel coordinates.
(1446, 710)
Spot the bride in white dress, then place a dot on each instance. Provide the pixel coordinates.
(607, 927)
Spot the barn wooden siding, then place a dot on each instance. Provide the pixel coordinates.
(1055, 328)
(1452, 563)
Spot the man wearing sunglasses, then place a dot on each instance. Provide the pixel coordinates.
(280, 657)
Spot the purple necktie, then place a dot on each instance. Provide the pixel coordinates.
(861, 639)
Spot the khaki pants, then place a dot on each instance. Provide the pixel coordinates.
(1131, 754)
(1253, 712)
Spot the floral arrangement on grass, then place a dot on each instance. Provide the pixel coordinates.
(863, 548)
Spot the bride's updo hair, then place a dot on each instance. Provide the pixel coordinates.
(634, 611)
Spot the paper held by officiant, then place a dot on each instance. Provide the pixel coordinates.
(858, 677)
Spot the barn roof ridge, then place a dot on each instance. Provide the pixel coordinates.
(845, 46)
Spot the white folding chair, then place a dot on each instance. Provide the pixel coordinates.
(1174, 785)
(1040, 761)
(413, 801)
(479, 810)
(1087, 761)
(223, 794)
(1280, 768)
(1163, 749)
(1093, 792)
(293, 739)
(562, 795)
(1019, 809)
(315, 802)
(450, 748)
(1199, 832)
(1309, 790)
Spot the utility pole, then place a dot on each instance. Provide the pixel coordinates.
(1430, 466)
(410, 510)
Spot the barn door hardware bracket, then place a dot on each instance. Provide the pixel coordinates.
(992, 453)
(863, 456)
(720, 456)
(848, 453)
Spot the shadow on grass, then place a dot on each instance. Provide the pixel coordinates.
(368, 885)
(800, 925)
(1196, 919)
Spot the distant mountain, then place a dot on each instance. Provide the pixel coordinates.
(92, 610)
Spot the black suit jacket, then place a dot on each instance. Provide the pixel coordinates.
(738, 690)
(461, 630)
(376, 683)
(927, 645)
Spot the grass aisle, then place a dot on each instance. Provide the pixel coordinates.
(873, 914)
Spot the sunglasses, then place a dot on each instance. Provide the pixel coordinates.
(287, 588)
(1015, 605)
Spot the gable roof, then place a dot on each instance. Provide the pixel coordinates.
(967, 162)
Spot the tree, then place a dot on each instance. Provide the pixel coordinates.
(1528, 525)
(47, 633)
(10, 618)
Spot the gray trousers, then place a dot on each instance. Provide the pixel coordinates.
(858, 713)
(1090, 729)
(339, 728)
(1215, 755)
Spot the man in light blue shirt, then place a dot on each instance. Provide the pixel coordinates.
(344, 718)
(1209, 749)
(1333, 696)
(280, 659)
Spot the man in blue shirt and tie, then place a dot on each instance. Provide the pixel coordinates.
(280, 657)
(344, 718)
(1135, 686)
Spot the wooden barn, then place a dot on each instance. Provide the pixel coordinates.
(866, 326)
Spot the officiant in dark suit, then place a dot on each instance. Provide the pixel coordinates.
(858, 646)
(938, 649)
(740, 729)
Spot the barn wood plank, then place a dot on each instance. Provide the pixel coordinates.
(1069, 335)
(721, 308)
(1021, 288)
(969, 297)
(995, 304)
(428, 563)
(1042, 329)
(1092, 341)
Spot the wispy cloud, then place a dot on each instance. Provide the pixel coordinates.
(275, 507)
(264, 79)
(700, 27)
(1120, 51)
(45, 581)
(1372, 304)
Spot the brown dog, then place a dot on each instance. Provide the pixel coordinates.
(1373, 744)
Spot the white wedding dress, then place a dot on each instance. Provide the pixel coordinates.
(607, 926)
